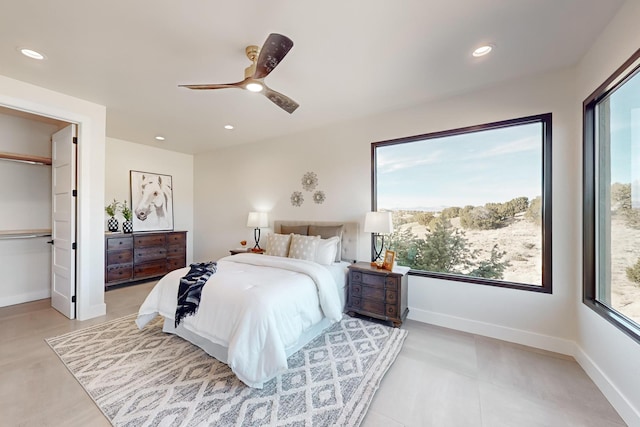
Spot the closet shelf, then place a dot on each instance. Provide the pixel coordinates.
(24, 234)
(25, 158)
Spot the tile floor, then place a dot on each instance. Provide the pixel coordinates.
(441, 378)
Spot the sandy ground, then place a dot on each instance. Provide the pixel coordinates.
(523, 242)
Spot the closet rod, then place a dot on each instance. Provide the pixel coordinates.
(34, 160)
(23, 236)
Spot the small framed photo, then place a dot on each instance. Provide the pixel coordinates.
(389, 258)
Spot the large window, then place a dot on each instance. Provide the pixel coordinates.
(471, 204)
(612, 198)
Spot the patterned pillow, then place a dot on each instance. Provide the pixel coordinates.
(278, 244)
(326, 252)
(304, 247)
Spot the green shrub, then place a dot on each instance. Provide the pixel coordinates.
(633, 273)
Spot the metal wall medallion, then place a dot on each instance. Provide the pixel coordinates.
(319, 197)
(297, 199)
(309, 181)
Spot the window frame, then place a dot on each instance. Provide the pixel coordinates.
(546, 223)
(625, 72)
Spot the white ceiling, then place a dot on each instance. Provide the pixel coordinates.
(351, 58)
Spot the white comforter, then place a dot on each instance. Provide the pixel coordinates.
(256, 305)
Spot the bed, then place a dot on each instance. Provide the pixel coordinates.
(257, 310)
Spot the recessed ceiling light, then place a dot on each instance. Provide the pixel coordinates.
(483, 50)
(254, 87)
(31, 53)
(160, 138)
(228, 127)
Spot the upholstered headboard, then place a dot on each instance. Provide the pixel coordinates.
(350, 234)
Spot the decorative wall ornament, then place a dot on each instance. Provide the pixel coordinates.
(318, 197)
(297, 199)
(309, 181)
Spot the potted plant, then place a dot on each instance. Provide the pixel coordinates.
(111, 210)
(127, 225)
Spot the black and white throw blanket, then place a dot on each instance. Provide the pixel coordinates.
(190, 288)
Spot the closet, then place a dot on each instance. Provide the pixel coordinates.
(25, 205)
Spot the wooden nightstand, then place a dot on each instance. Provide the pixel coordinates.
(378, 293)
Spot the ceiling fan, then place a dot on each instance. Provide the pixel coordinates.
(264, 60)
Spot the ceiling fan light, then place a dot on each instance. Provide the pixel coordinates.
(254, 87)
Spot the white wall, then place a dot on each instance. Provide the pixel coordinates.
(609, 356)
(26, 205)
(262, 176)
(91, 119)
(123, 156)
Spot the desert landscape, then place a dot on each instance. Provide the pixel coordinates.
(522, 242)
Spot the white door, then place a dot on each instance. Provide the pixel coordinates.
(63, 217)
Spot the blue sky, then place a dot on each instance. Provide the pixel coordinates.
(472, 169)
(623, 101)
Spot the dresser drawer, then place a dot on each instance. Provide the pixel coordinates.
(119, 272)
(150, 240)
(391, 283)
(175, 263)
(176, 251)
(374, 280)
(150, 254)
(150, 269)
(176, 239)
(119, 257)
(116, 243)
(356, 290)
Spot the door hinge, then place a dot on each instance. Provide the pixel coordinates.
(73, 298)
(73, 246)
(75, 139)
(74, 193)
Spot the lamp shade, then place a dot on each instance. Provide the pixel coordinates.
(257, 220)
(378, 222)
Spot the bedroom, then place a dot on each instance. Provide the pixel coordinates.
(232, 181)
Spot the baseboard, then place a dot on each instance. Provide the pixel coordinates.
(620, 403)
(92, 311)
(26, 297)
(518, 336)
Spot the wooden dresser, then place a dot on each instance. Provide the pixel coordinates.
(131, 257)
(378, 293)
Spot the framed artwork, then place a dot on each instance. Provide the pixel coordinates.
(151, 201)
(389, 258)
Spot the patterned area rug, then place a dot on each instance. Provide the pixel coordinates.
(151, 378)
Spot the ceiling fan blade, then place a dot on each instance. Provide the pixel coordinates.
(284, 102)
(214, 86)
(275, 48)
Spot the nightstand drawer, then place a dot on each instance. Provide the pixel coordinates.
(391, 310)
(355, 302)
(372, 293)
(373, 307)
(375, 280)
(356, 289)
(391, 283)
(390, 297)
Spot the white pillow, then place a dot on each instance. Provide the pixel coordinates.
(303, 247)
(326, 251)
(278, 244)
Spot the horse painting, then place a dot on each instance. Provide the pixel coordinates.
(152, 199)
